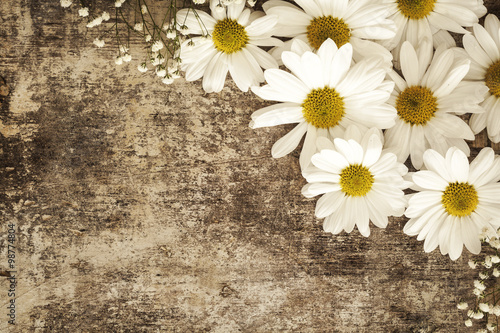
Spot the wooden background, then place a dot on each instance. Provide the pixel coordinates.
(141, 207)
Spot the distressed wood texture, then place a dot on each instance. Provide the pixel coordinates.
(141, 207)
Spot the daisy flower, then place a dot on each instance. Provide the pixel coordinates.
(425, 101)
(418, 19)
(344, 21)
(483, 48)
(324, 95)
(230, 42)
(456, 201)
(360, 182)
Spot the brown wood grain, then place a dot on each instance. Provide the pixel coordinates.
(142, 207)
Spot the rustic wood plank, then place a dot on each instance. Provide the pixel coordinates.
(141, 207)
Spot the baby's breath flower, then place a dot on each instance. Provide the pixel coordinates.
(487, 262)
(98, 42)
(105, 16)
(157, 46)
(496, 310)
(472, 264)
(118, 60)
(144, 9)
(484, 307)
(94, 22)
(468, 323)
(477, 292)
(138, 26)
(171, 33)
(478, 315)
(462, 305)
(496, 272)
(479, 285)
(147, 38)
(161, 72)
(491, 327)
(119, 3)
(157, 61)
(184, 29)
(495, 259)
(495, 243)
(66, 3)
(483, 276)
(470, 313)
(83, 12)
(168, 80)
(482, 330)
(123, 49)
(142, 67)
(127, 57)
(175, 75)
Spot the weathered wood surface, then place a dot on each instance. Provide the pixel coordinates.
(141, 207)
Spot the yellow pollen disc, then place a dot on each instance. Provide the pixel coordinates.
(324, 27)
(492, 78)
(416, 9)
(459, 199)
(229, 36)
(323, 107)
(356, 180)
(416, 105)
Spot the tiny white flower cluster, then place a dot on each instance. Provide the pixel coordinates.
(83, 12)
(66, 3)
(119, 3)
(124, 55)
(96, 21)
(251, 3)
(486, 287)
(138, 26)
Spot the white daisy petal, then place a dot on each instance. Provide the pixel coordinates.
(290, 141)
(283, 81)
(321, 188)
(277, 114)
(453, 79)
(456, 243)
(310, 7)
(328, 204)
(458, 166)
(429, 180)
(264, 59)
(362, 217)
(470, 236)
(443, 22)
(373, 151)
(481, 164)
(215, 74)
(329, 160)
(409, 64)
(415, 225)
(473, 48)
(487, 42)
(435, 162)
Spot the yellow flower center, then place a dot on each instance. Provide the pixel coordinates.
(324, 27)
(416, 105)
(229, 36)
(323, 107)
(356, 180)
(492, 78)
(415, 9)
(459, 199)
